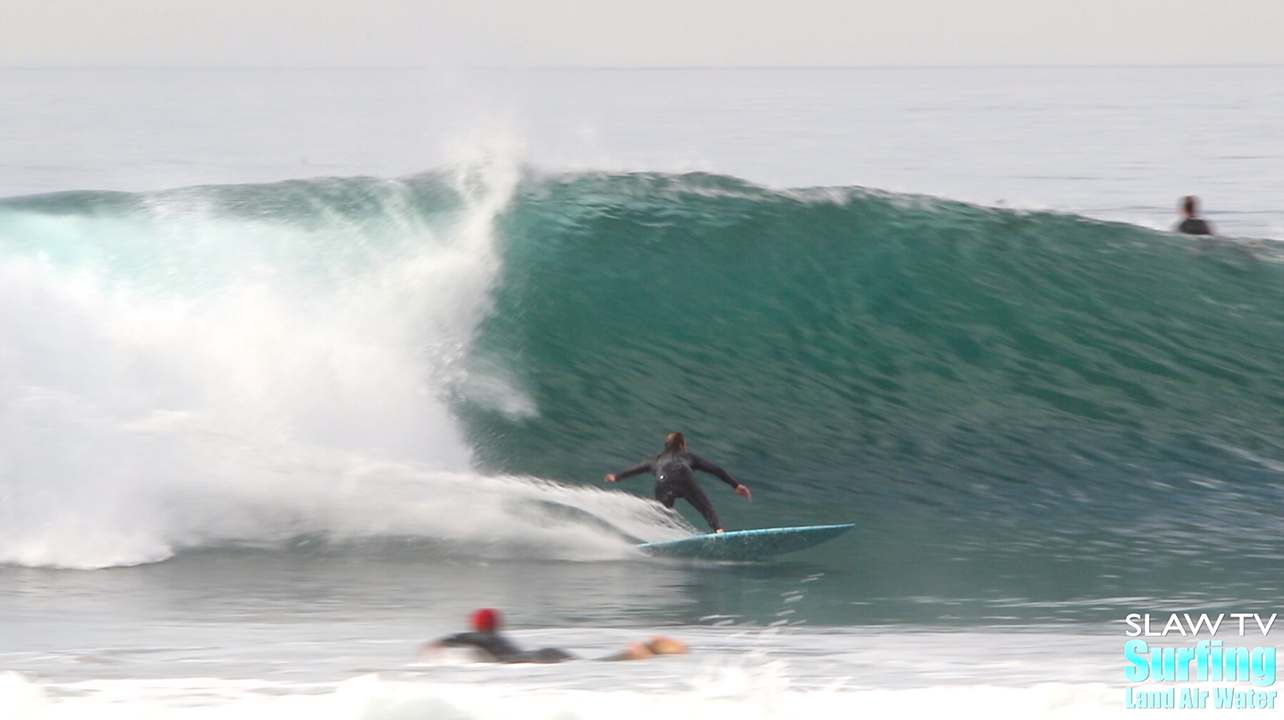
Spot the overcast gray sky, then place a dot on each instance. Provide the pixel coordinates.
(635, 33)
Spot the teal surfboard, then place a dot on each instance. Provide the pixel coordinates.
(745, 544)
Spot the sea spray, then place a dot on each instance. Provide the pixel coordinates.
(248, 365)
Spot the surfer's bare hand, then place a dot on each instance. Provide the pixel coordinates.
(743, 491)
(611, 477)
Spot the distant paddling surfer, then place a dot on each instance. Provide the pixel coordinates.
(1191, 223)
(492, 646)
(674, 478)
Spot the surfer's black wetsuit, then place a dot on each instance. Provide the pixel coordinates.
(501, 649)
(674, 479)
(1195, 226)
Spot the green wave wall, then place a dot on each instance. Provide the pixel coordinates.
(975, 383)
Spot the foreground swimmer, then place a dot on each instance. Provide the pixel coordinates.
(674, 478)
(495, 647)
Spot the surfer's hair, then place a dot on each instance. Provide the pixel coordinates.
(674, 442)
(1191, 203)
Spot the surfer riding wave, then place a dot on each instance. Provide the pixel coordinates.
(675, 478)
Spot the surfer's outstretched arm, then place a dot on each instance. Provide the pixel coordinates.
(699, 463)
(492, 645)
(647, 465)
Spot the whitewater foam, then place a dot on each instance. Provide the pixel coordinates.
(186, 376)
(718, 693)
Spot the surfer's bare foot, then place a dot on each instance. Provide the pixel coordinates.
(661, 645)
(719, 530)
(637, 651)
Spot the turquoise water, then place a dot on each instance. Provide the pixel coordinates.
(261, 433)
(1036, 387)
(1008, 404)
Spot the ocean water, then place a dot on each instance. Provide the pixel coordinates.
(299, 367)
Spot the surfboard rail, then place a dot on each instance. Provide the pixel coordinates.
(746, 544)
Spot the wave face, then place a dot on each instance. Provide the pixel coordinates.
(1005, 402)
(988, 393)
